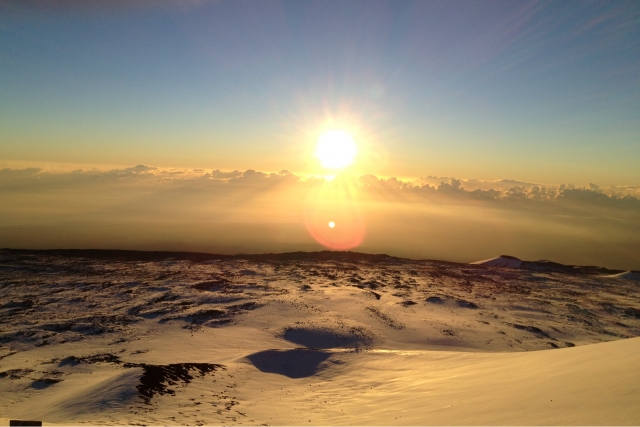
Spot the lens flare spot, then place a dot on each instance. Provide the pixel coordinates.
(330, 204)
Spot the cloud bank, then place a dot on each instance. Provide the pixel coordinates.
(152, 208)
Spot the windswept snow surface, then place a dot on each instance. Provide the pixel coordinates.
(98, 337)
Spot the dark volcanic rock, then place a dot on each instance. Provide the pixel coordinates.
(157, 379)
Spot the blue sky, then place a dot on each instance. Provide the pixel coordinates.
(485, 89)
(511, 127)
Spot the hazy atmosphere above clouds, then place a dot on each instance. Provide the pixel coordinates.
(512, 127)
(247, 212)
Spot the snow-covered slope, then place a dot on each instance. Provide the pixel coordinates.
(629, 275)
(501, 261)
(323, 338)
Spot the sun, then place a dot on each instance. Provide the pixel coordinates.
(336, 149)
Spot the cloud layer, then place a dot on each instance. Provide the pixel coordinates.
(145, 207)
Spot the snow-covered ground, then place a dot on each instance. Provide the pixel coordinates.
(319, 338)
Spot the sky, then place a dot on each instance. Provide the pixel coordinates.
(105, 106)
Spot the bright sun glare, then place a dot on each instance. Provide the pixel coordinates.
(336, 149)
